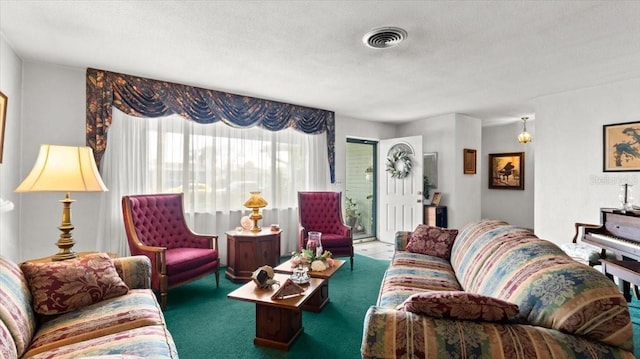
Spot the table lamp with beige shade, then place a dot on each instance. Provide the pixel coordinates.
(64, 169)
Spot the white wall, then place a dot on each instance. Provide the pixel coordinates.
(53, 113)
(466, 198)
(438, 135)
(10, 85)
(513, 206)
(570, 185)
(54, 102)
(448, 135)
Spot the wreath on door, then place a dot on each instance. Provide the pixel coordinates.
(399, 164)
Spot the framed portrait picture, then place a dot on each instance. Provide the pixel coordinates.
(3, 118)
(621, 147)
(506, 170)
(437, 196)
(469, 159)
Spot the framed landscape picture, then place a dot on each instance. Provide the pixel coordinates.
(621, 147)
(506, 170)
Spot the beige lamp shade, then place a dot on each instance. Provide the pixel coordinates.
(65, 169)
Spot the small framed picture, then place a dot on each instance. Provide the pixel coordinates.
(506, 170)
(621, 147)
(437, 196)
(469, 157)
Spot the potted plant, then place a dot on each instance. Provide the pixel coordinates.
(351, 212)
(369, 173)
(425, 186)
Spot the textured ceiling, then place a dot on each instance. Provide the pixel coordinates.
(486, 59)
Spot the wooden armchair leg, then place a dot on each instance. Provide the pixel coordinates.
(164, 285)
(217, 279)
(351, 260)
(163, 300)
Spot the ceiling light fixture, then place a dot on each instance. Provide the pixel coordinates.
(384, 37)
(524, 136)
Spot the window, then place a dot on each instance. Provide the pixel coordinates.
(215, 166)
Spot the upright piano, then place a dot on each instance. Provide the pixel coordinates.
(618, 233)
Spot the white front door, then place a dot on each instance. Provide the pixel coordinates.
(400, 205)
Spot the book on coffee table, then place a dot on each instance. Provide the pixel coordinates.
(288, 289)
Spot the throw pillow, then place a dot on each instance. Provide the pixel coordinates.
(60, 287)
(434, 241)
(460, 305)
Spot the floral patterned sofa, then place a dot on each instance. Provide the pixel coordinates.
(493, 291)
(92, 306)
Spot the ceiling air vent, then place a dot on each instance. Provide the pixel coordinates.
(384, 37)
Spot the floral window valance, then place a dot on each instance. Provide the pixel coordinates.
(143, 97)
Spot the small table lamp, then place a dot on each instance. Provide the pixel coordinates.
(65, 169)
(255, 202)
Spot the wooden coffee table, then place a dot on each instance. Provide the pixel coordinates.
(278, 321)
(321, 296)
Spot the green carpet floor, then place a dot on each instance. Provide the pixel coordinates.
(634, 308)
(205, 324)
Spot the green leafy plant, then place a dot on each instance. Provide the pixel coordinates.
(351, 210)
(399, 164)
(425, 186)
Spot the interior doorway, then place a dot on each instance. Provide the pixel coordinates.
(360, 196)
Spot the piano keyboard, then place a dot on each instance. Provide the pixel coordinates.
(621, 246)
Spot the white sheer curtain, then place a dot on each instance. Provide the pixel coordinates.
(216, 166)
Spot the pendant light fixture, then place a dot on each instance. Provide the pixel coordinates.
(524, 136)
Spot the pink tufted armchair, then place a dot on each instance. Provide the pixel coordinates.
(156, 228)
(322, 212)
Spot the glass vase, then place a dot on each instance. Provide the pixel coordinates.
(314, 243)
(626, 197)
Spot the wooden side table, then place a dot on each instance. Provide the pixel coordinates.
(435, 216)
(80, 254)
(248, 251)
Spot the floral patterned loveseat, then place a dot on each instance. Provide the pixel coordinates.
(92, 306)
(501, 293)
